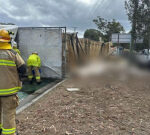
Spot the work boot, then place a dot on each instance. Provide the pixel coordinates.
(38, 83)
(17, 133)
(31, 82)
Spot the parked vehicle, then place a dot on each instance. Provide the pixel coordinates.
(143, 57)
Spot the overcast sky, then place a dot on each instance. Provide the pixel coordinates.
(69, 13)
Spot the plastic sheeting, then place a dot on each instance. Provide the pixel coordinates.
(48, 43)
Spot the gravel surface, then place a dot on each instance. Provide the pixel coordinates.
(106, 104)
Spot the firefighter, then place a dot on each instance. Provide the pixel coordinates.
(15, 48)
(34, 64)
(11, 66)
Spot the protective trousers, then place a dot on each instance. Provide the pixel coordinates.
(8, 107)
(34, 71)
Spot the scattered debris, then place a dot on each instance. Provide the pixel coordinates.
(72, 89)
(67, 133)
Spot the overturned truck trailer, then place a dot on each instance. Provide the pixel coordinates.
(48, 42)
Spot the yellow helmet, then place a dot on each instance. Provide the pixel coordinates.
(35, 53)
(4, 36)
(5, 40)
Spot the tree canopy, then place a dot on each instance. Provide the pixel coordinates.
(106, 27)
(92, 34)
(138, 12)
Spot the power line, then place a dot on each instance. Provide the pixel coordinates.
(107, 6)
(98, 5)
(95, 6)
(92, 9)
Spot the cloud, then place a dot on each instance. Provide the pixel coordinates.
(70, 13)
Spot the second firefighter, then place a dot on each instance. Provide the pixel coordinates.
(34, 64)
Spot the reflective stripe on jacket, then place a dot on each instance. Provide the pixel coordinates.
(9, 78)
(7, 62)
(34, 60)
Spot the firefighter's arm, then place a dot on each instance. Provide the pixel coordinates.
(20, 64)
(22, 69)
(39, 61)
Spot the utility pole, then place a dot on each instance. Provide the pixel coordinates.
(118, 44)
(148, 28)
(75, 28)
(148, 36)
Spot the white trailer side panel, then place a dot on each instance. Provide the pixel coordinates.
(48, 43)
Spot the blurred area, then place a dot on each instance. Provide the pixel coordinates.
(116, 68)
(87, 59)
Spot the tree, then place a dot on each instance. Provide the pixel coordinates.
(132, 8)
(145, 21)
(92, 34)
(138, 12)
(106, 27)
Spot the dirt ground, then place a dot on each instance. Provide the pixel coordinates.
(111, 103)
